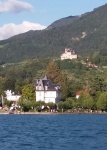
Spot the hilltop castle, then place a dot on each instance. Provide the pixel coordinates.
(69, 54)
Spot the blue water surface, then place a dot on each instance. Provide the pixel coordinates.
(53, 132)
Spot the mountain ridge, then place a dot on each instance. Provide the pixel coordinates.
(84, 34)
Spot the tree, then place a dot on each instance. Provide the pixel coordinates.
(63, 82)
(53, 72)
(102, 101)
(51, 105)
(39, 105)
(70, 102)
(27, 100)
(61, 105)
(85, 101)
(7, 103)
(8, 83)
(74, 86)
(98, 85)
(88, 102)
(28, 92)
(56, 76)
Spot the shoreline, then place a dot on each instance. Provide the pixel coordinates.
(51, 113)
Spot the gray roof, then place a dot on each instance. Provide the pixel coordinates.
(46, 84)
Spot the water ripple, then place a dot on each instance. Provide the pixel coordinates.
(55, 132)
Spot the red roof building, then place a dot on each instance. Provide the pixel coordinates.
(78, 93)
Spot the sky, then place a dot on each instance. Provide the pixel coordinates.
(19, 16)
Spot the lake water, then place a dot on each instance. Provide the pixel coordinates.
(53, 132)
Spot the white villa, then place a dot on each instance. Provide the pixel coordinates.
(10, 96)
(69, 54)
(46, 91)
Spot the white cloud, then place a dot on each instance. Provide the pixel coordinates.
(14, 6)
(9, 30)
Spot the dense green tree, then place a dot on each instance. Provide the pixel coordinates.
(39, 104)
(8, 84)
(70, 102)
(51, 105)
(61, 105)
(102, 101)
(88, 102)
(7, 103)
(26, 105)
(98, 84)
(84, 101)
(28, 92)
(27, 100)
(74, 86)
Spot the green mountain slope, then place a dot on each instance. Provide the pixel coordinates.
(63, 22)
(85, 34)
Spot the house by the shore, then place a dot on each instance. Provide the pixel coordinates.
(11, 96)
(47, 91)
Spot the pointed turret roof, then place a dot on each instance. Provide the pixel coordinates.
(45, 78)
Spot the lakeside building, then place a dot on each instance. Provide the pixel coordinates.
(69, 54)
(78, 93)
(47, 91)
(10, 96)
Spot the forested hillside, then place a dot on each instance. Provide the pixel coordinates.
(85, 34)
(71, 75)
(74, 75)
